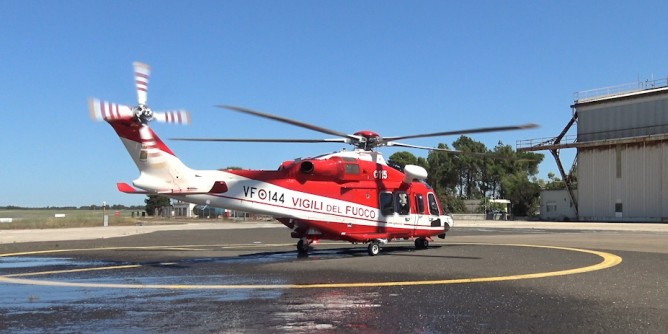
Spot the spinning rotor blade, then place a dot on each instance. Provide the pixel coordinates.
(492, 155)
(172, 116)
(353, 138)
(266, 140)
(141, 113)
(365, 140)
(462, 132)
(423, 147)
(107, 111)
(142, 73)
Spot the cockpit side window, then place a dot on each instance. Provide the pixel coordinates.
(402, 203)
(433, 205)
(386, 202)
(419, 200)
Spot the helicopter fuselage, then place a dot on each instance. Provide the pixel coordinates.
(348, 195)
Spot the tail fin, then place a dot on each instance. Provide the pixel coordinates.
(159, 169)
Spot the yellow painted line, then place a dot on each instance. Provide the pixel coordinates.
(130, 248)
(609, 260)
(130, 266)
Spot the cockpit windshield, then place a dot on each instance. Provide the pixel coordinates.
(434, 205)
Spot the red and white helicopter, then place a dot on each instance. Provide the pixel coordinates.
(350, 195)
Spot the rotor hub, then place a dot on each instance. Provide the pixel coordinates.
(369, 139)
(143, 113)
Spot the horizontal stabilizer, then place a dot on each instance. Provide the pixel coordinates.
(128, 189)
(218, 187)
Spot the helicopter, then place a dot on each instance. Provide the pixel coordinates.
(348, 195)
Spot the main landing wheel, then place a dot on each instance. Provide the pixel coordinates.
(421, 243)
(374, 248)
(302, 246)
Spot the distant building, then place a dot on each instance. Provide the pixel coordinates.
(622, 153)
(183, 209)
(557, 205)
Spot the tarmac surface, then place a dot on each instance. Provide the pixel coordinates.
(485, 277)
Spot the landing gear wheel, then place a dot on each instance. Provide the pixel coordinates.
(302, 246)
(374, 248)
(421, 243)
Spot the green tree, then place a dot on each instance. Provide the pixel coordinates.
(503, 160)
(522, 193)
(452, 204)
(422, 162)
(469, 166)
(154, 202)
(500, 163)
(401, 159)
(442, 175)
(553, 182)
(477, 173)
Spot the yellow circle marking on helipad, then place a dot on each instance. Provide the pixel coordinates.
(609, 260)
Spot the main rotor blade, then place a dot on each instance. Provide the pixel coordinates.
(462, 132)
(293, 122)
(393, 143)
(492, 155)
(265, 140)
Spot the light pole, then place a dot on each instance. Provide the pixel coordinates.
(105, 219)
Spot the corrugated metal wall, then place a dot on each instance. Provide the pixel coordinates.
(623, 118)
(624, 182)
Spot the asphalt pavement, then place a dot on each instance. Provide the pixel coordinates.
(102, 232)
(247, 277)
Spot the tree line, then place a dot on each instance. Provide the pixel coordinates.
(478, 173)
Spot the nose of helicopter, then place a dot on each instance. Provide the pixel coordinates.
(447, 223)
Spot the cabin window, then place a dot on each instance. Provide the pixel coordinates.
(386, 203)
(352, 169)
(433, 205)
(402, 204)
(419, 200)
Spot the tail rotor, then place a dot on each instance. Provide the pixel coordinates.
(141, 113)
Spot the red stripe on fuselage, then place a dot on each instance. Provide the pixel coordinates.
(358, 232)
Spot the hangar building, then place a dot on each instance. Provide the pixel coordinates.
(621, 168)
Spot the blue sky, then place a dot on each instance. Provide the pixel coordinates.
(394, 67)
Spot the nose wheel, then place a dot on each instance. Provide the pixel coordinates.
(302, 246)
(374, 248)
(421, 243)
